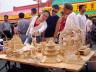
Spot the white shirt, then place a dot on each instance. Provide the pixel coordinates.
(71, 21)
(40, 28)
(88, 24)
(82, 22)
(30, 25)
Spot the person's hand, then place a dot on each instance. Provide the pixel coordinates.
(43, 39)
(36, 33)
(55, 36)
(33, 33)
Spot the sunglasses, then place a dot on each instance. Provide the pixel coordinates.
(54, 11)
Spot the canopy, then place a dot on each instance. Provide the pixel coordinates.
(67, 1)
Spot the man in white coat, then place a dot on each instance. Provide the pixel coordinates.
(72, 19)
(82, 20)
(28, 33)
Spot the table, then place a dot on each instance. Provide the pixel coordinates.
(73, 67)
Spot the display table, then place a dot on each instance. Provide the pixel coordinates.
(62, 65)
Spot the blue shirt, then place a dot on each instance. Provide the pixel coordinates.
(23, 25)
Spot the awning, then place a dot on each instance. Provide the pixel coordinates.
(67, 1)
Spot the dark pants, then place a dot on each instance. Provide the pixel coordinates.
(29, 39)
(88, 38)
(23, 37)
(38, 39)
(8, 34)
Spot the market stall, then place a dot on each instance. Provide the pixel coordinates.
(69, 54)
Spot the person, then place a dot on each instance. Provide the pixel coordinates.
(62, 13)
(82, 21)
(88, 23)
(82, 18)
(60, 26)
(6, 27)
(15, 28)
(93, 32)
(51, 22)
(88, 30)
(28, 33)
(71, 19)
(38, 26)
(1, 35)
(23, 25)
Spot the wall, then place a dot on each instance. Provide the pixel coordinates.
(7, 5)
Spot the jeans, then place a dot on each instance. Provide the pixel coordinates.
(29, 39)
(23, 37)
(8, 34)
(38, 39)
(88, 38)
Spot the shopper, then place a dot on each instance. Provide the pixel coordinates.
(88, 23)
(59, 27)
(88, 30)
(1, 34)
(72, 19)
(28, 33)
(38, 26)
(34, 15)
(52, 22)
(15, 28)
(23, 25)
(93, 32)
(6, 27)
(82, 21)
(82, 17)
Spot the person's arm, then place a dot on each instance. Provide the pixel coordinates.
(30, 26)
(43, 36)
(57, 28)
(28, 29)
(2, 26)
(43, 32)
(79, 19)
(18, 26)
(89, 25)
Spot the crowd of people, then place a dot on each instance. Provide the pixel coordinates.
(49, 25)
